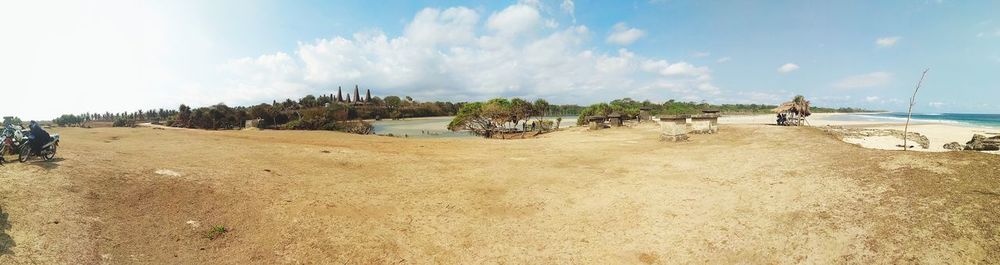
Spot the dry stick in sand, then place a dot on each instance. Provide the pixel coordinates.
(909, 112)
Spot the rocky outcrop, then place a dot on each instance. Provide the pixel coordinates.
(954, 146)
(980, 142)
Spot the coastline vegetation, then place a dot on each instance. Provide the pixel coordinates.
(327, 112)
(324, 112)
(630, 108)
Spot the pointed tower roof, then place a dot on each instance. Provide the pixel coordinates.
(357, 96)
(368, 95)
(340, 95)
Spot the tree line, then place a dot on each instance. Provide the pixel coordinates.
(326, 112)
(630, 108)
(323, 112)
(310, 112)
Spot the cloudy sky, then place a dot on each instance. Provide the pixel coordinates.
(81, 56)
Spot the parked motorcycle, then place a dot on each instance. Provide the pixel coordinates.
(47, 152)
(10, 139)
(4, 143)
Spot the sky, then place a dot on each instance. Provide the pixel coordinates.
(97, 56)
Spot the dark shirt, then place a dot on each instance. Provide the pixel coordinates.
(41, 136)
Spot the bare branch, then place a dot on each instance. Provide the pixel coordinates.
(909, 112)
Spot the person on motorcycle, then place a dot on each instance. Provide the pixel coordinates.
(38, 137)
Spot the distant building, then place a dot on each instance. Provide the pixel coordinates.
(356, 99)
(357, 96)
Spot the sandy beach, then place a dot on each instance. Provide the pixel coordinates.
(939, 134)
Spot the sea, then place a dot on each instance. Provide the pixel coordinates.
(979, 120)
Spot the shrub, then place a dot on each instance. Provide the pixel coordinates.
(216, 232)
(123, 122)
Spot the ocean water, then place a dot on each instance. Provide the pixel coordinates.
(987, 120)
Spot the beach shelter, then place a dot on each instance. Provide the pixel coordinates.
(793, 113)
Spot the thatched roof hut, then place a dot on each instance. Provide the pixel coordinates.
(793, 112)
(799, 108)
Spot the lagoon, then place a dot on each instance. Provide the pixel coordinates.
(435, 127)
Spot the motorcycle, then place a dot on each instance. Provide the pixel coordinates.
(4, 142)
(47, 152)
(10, 140)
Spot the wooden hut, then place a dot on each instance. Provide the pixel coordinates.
(615, 119)
(595, 122)
(644, 113)
(793, 113)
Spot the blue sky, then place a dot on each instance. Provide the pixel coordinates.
(125, 55)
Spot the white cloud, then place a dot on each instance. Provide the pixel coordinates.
(723, 60)
(515, 19)
(551, 23)
(787, 68)
(936, 104)
(452, 26)
(887, 41)
(570, 8)
(874, 99)
(621, 34)
(676, 69)
(465, 63)
(874, 79)
(995, 33)
(273, 76)
(701, 54)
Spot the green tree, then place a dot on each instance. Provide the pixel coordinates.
(393, 102)
(599, 109)
(542, 107)
(308, 101)
(520, 110)
(183, 116)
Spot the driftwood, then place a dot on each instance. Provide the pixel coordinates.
(909, 112)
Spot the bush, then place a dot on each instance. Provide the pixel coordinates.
(122, 122)
(358, 127)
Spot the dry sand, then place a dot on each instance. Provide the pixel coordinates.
(750, 194)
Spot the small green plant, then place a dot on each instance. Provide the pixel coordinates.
(216, 232)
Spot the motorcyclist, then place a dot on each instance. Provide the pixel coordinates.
(38, 137)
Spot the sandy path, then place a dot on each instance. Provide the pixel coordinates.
(757, 194)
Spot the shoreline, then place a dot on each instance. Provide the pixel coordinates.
(939, 133)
